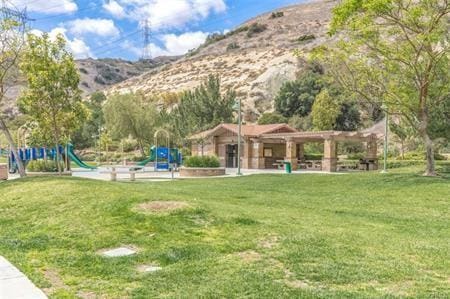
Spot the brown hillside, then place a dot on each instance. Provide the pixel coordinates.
(254, 60)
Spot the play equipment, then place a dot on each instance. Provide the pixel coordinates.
(165, 158)
(71, 154)
(32, 153)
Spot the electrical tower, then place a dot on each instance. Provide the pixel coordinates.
(146, 52)
(8, 11)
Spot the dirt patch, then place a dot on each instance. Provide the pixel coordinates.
(55, 280)
(161, 206)
(269, 242)
(89, 295)
(296, 284)
(249, 256)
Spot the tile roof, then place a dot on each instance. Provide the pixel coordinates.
(246, 130)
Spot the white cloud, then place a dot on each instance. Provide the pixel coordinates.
(173, 45)
(46, 6)
(77, 46)
(181, 44)
(169, 14)
(100, 27)
(115, 9)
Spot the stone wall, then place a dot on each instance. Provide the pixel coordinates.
(201, 172)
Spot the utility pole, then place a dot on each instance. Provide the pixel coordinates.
(146, 52)
(239, 136)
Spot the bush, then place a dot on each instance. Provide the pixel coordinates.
(256, 28)
(43, 166)
(306, 38)
(202, 162)
(420, 156)
(277, 14)
(232, 46)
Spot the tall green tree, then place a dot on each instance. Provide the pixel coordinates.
(324, 111)
(394, 52)
(297, 97)
(272, 118)
(52, 98)
(12, 41)
(131, 115)
(88, 133)
(203, 108)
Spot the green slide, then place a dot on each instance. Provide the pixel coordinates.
(151, 159)
(75, 158)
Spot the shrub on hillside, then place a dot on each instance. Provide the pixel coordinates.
(256, 28)
(277, 14)
(232, 46)
(202, 162)
(306, 38)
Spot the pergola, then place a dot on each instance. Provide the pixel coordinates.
(295, 143)
(286, 143)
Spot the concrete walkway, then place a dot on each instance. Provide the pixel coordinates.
(15, 285)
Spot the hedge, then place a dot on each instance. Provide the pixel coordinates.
(202, 162)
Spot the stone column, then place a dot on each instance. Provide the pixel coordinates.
(194, 149)
(329, 162)
(247, 147)
(291, 153)
(372, 153)
(214, 146)
(258, 160)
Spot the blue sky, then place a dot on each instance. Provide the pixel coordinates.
(113, 28)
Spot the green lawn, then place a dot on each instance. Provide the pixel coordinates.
(269, 236)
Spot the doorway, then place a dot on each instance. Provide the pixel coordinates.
(231, 156)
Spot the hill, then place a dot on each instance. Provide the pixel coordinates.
(254, 59)
(96, 74)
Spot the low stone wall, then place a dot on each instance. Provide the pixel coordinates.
(201, 172)
(33, 174)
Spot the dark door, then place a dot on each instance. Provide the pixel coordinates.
(231, 155)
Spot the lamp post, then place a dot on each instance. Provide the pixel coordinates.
(386, 139)
(239, 136)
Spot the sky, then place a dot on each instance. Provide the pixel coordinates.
(114, 28)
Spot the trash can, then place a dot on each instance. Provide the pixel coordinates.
(3, 172)
(288, 167)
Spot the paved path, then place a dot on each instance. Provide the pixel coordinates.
(15, 285)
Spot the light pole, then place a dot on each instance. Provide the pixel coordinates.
(386, 139)
(239, 136)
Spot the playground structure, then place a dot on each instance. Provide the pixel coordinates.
(28, 154)
(164, 158)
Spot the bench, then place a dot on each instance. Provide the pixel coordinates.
(113, 172)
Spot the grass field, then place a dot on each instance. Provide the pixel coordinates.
(269, 236)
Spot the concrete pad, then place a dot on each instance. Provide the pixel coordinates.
(119, 252)
(15, 285)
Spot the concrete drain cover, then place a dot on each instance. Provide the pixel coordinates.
(118, 252)
(149, 269)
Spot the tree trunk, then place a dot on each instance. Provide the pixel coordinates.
(14, 150)
(429, 147)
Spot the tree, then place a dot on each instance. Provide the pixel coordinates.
(203, 108)
(395, 53)
(84, 137)
(272, 118)
(131, 115)
(349, 117)
(11, 44)
(324, 111)
(52, 99)
(297, 97)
